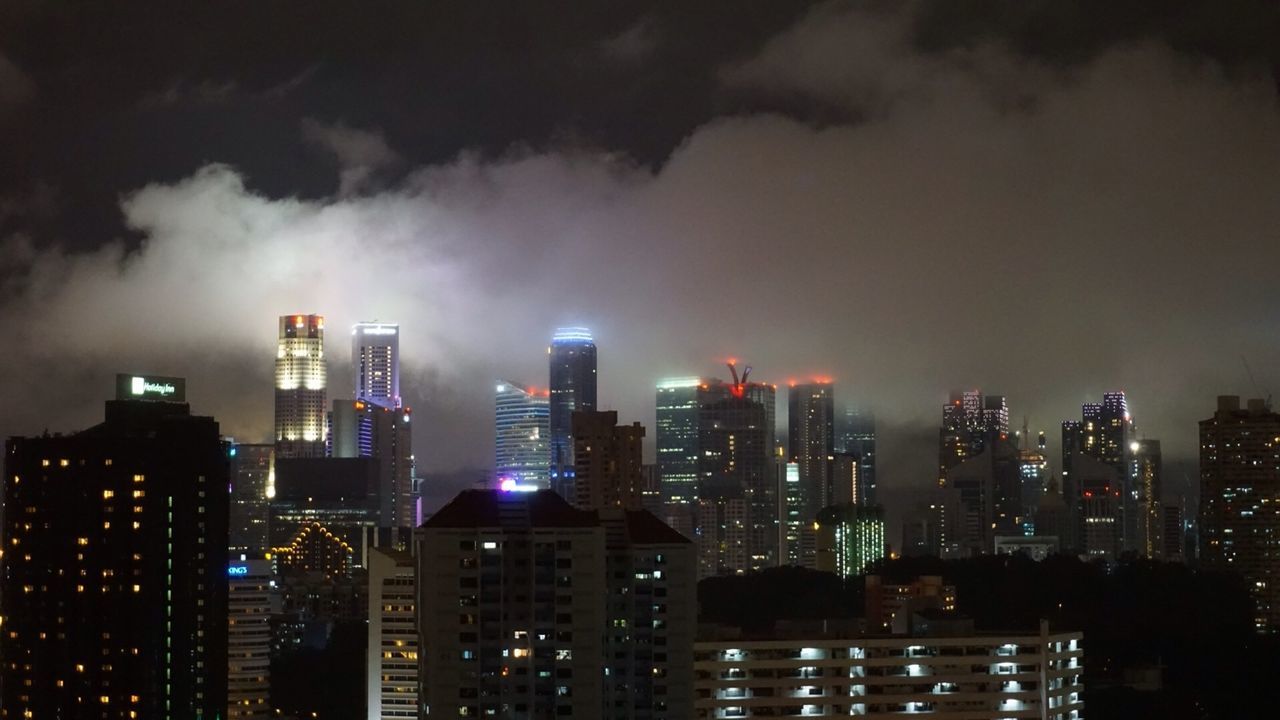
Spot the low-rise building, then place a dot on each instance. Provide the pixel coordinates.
(824, 671)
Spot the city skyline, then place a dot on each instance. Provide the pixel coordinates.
(479, 233)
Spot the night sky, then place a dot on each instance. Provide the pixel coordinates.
(1047, 200)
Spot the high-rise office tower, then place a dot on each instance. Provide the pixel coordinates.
(1240, 500)
(1174, 534)
(536, 609)
(856, 436)
(391, 684)
(572, 356)
(977, 459)
(114, 589)
(970, 421)
(1147, 473)
(252, 487)
(375, 362)
(811, 442)
(1103, 433)
(251, 602)
(608, 460)
(522, 435)
(1033, 468)
(679, 403)
(301, 405)
(363, 429)
(849, 538)
(737, 517)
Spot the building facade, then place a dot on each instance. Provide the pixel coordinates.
(849, 538)
(608, 461)
(857, 436)
(375, 363)
(133, 515)
(363, 429)
(392, 655)
(679, 402)
(811, 442)
(537, 609)
(572, 357)
(301, 401)
(809, 672)
(1240, 500)
(522, 435)
(251, 602)
(252, 487)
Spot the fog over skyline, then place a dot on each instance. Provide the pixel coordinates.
(844, 194)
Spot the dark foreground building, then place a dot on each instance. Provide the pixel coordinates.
(115, 565)
(530, 608)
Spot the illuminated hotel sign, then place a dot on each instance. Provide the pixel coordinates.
(150, 387)
(237, 570)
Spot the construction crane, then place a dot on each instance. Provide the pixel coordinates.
(739, 384)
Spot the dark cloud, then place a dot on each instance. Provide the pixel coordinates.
(852, 190)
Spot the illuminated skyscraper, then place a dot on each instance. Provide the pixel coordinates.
(1149, 469)
(978, 460)
(572, 356)
(1103, 433)
(375, 361)
(521, 447)
(301, 405)
(1240, 500)
(251, 601)
(114, 585)
(811, 442)
(678, 404)
(738, 522)
(849, 538)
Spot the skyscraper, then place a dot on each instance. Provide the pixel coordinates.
(849, 538)
(737, 515)
(375, 362)
(252, 486)
(391, 686)
(679, 403)
(1103, 433)
(978, 460)
(970, 421)
(364, 429)
(572, 356)
(856, 435)
(811, 442)
(114, 588)
(522, 435)
(526, 602)
(1240, 500)
(301, 404)
(1148, 470)
(608, 461)
(251, 602)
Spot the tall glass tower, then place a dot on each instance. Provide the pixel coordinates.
(522, 430)
(375, 361)
(572, 357)
(811, 442)
(301, 403)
